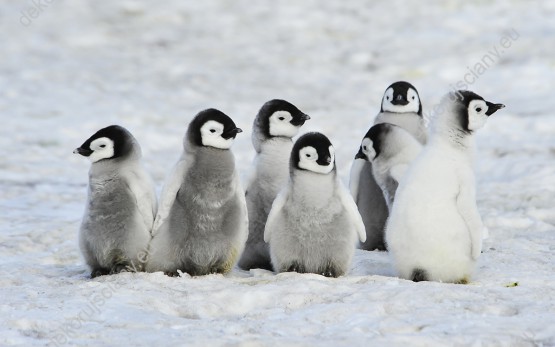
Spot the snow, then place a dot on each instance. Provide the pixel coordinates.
(151, 66)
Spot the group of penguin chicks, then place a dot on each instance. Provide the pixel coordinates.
(412, 192)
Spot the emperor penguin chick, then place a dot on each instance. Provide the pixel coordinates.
(400, 106)
(277, 122)
(314, 224)
(434, 232)
(391, 149)
(121, 204)
(201, 226)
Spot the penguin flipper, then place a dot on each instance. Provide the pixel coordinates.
(275, 211)
(466, 206)
(169, 192)
(352, 211)
(142, 188)
(354, 179)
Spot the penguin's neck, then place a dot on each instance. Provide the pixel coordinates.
(410, 121)
(274, 154)
(455, 141)
(212, 163)
(313, 189)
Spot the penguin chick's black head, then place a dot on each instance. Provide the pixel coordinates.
(224, 127)
(296, 117)
(376, 134)
(313, 152)
(401, 97)
(117, 137)
(471, 107)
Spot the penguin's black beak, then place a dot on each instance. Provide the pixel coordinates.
(324, 161)
(492, 108)
(399, 100)
(299, 120)
(83, 151)
(231, 133)
(360, 154)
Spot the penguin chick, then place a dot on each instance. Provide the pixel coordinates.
(314, 224)
(400, 106)
(121, 203)
(201, 226)
(391, 149)
(434, 232)
(274, 126)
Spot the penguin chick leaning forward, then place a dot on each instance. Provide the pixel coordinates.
(277, 122)
(434, 232)
(391, 149)
(121, 203)
(314, 224)
(401, 106)
(201, 226)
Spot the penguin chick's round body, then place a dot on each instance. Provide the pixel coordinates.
(313, 225)
(201, 226)
(400, 106)
(121, 204)
(391, 149)
(274, 126)
(435, 231)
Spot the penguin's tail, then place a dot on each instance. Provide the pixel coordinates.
(419, 275)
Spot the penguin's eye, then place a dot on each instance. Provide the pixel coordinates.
(308, 155)
(281, 118)
(387, 97)
(102, 146)
(364, 147)
(479, 109)
(413, 97)
(212, 130)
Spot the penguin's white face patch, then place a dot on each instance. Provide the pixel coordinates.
(368, 149)
(477, 116)
(211, 135)
(308, 160)
(412, 98)
(103, 148)
(280, 124)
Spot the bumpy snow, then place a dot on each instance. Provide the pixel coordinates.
(151, 66)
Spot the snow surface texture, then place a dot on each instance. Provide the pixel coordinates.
(151, 66)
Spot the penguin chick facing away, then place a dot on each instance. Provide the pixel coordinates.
(121, 203)
(391, 149)
(277, 122)
(201, 226)
(434, 232)
(400, 106)
(314, 224)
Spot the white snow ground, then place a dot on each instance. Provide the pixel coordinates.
(150, 66)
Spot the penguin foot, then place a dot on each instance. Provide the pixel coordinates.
(171, 273)
(463, 280)
(99, 272)
(419, 275)
(295, 267)
(122, 267)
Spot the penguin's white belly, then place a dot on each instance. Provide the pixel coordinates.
(425, 229)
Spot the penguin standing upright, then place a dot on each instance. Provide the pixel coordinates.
(121, 204)
(314, 224)
(434, 232)
(277, 122)
(400, 106)
(391, 149)
(201, 226)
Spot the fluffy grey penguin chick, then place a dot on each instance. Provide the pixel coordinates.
(121, 203)
(277, 122)
(391, 149)
(434, 232)
(400, 106)
(201, 226)
(314, 224)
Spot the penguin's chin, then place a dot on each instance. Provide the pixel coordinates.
(316, 168)
(218, 142)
